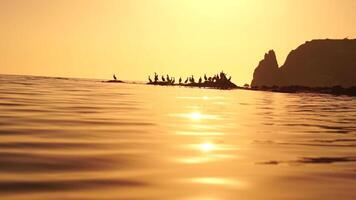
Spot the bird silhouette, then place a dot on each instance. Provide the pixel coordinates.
(192, 79)
(156, 77)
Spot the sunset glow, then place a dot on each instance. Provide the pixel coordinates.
(177, 99)
(94, 39)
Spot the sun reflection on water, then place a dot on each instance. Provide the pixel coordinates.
(206, 152)
(207, 147)
(212, 181)
(198, 133)
(195, 116)
(217, 181)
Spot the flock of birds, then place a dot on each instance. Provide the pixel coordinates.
(171, 80)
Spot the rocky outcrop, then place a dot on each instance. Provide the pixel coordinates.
(317, 63)
(266, 72)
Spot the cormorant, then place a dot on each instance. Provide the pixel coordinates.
(192, 79)
(156, 77)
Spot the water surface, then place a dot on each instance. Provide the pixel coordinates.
(77, 139)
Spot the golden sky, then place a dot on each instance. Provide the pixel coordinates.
(133, 38)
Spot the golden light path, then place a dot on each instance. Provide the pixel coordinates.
(198, 125)
(206, 128)
(196, 116)
(217, 181)
(207, 152)
(207, 147)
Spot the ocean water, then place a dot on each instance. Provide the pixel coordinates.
(72, 139)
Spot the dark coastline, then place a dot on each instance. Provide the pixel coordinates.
(336, 90)
(319, 64)
(324, 66)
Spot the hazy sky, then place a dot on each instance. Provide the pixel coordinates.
(133, 38)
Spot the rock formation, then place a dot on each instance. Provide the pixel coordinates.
(266, 73)
(317, 63)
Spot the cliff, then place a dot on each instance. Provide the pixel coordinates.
(267, 71)
(317, 63)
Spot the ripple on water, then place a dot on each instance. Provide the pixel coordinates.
(84, 139)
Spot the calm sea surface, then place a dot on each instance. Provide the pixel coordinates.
(71, 139)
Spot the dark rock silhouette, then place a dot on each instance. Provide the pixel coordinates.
(316, 63)
(114, 80)
(218, 81)
(266, 73)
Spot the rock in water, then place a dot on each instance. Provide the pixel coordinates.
(317, 63)
(266, 72)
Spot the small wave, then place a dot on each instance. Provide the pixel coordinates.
(65, 185)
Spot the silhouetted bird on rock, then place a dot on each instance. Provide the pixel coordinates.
(156, 77)
(192, 79)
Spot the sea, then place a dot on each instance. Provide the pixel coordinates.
(74, 139)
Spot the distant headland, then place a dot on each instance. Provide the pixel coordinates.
(316, 63)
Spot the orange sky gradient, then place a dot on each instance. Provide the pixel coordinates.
(134, 38)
